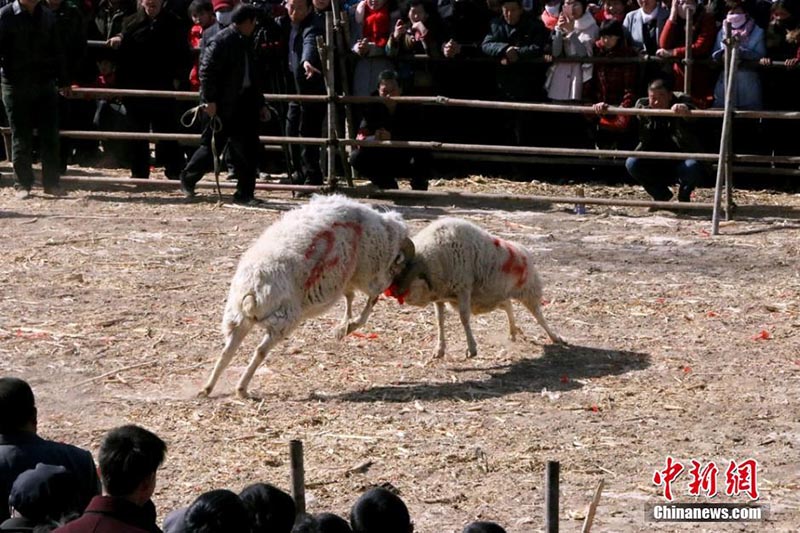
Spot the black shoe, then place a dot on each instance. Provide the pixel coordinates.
(685, 194)
(419, 184)
(187, 190)
(248, 202)
(55, 190)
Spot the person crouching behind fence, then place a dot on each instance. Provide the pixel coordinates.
(385, 122)
(666, 134)
(229, 87)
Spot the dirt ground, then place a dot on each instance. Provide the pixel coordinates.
(682, 345)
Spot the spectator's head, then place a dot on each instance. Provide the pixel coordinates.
(217, 511)
(17, 406)
(686, 6)
(380, 511)
(321, 5)
(152, 8)
(483, 527)
(553, 7)
(659, 94)
(417, 11)
(223, 10)
(44, 494)
(128, 460)
(781, 15)
(610, 33)
(271, 509)
(614, 9)
(512, 11)
(244, 17)
(574, 9)
(737, 15)
(331, 523)
(298, 10)
(322, 523)
(495, 6)
(54, 4)
(202, 13)
(388, 85)
(648, 5)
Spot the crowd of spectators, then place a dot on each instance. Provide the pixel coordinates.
(483, 49)
(50, 486)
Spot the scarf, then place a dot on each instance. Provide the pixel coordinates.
(375, 26)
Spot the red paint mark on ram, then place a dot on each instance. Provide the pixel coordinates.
(516, 264)
(326, 258)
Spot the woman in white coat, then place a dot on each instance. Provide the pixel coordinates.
(573, 36)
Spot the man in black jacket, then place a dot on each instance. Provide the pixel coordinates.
(229, 87)
(304, 118)
(21, 448)
(33, 66)
(153, 54)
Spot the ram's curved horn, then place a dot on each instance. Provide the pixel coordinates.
(407, 247)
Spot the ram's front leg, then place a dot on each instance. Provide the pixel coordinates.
(343, 331)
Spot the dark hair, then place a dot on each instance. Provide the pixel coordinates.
(128, 455)
(199, 6)
(217, 511)
(387, 75)
(322, 523)
(611, 27)
(17, 405)
(582, 3)
(511, 1)
(331, 523)
(483, 527)
(244, 12)
(659, 84)
(271, 509)
(380, 511)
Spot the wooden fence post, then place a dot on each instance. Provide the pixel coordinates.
(298, 476)
(551, 497)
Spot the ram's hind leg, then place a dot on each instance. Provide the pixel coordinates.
(513, 330)
(533, 303)
(233, 340)
(278, 325)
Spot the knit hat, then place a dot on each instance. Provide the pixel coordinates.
(44, 493)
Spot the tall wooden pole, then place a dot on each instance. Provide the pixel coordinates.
(687, 63)
(727, 127)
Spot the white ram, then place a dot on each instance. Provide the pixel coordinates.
(302, 265)
(459, 263)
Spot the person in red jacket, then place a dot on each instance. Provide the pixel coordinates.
(202, 13)
(613, 84)
(703, 35)
(129, 458)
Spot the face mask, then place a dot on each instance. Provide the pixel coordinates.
(552, 10)
(737, 20)
(224, 17)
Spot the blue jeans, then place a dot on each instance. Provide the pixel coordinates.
(656, 175)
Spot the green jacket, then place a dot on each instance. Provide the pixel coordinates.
(667, 134)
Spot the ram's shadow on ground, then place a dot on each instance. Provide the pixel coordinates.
(559, 369)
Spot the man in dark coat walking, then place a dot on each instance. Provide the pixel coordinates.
(229, 87)
(33, 67)
(304, 119)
